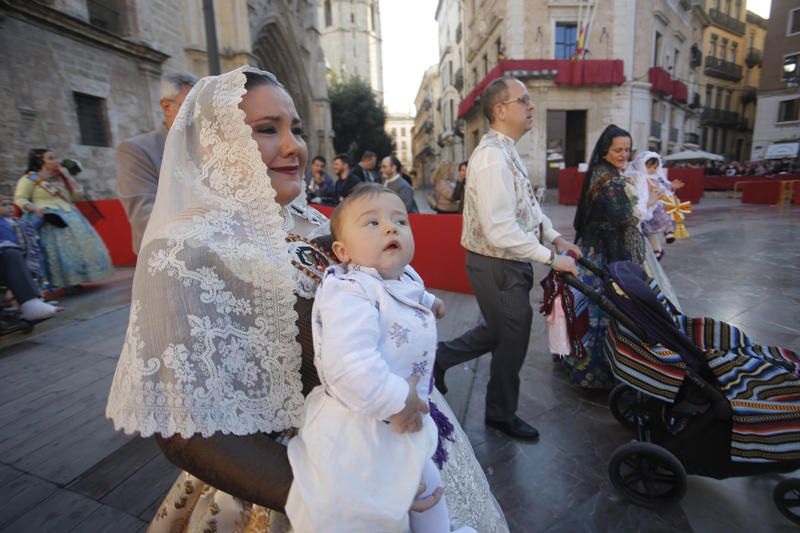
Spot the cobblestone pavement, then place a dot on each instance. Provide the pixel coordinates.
(63, 468)
(741, 264)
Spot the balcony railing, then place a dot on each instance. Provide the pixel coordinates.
(720, 117)
(691, 138)
(585, 73)
(673, 135)
(660, 81)
(753, 58)
(719, 68)
(655, 129)
(725, 21)
(748, 94)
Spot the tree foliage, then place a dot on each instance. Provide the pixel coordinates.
(358, 119)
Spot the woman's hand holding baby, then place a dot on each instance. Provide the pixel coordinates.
(408, 420)
(438, 308)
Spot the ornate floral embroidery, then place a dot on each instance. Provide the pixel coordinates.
(420, 368)
(399, 334)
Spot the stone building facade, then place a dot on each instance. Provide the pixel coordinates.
(400, 127)
(644, 67)
(451, 78)
(427, 127)
(729, 78)
(81, 76)
(778, 118)
(350, 32)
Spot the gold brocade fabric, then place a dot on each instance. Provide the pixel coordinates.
(195, 506)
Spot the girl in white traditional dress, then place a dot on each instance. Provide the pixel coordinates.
(652, 184)
(367, 439)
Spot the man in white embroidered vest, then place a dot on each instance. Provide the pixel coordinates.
(502, 232)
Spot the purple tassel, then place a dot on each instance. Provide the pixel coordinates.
(446, 429)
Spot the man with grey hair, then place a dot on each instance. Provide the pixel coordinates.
(139, 158)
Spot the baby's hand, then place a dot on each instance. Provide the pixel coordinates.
(438, 308)
(408, 420)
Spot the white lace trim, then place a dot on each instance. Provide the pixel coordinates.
(211, 340)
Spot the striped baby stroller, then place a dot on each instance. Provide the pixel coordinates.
(703, 398)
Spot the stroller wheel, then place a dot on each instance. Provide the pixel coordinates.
(622, 402)
(787, 499)
(648, 475)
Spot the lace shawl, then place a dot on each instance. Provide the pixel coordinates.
(611, 226)
(210, 345)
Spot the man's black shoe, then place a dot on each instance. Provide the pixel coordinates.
(516, 427)
(438, 378)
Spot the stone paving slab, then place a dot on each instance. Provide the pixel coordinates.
(62, 466)
(741, 264)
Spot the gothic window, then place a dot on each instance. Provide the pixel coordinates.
(328, 13)
(92, 120)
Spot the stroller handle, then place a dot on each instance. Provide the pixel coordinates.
(604, 303)
(593, 267)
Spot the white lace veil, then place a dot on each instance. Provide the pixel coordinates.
(211, 341)
(638, 165)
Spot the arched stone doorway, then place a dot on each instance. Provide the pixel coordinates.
(276, 49)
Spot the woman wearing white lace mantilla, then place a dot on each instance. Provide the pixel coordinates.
(218, 353)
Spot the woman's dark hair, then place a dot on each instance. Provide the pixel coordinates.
(462, 164)
(601, 148)
(651, 161)
(255, 79)
(36, 159)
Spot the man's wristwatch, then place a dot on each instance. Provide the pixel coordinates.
(552, 259)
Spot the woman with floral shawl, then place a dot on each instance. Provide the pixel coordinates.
(607, 228)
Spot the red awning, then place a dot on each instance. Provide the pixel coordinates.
(586, 72)
(660, 81)
(680, 93)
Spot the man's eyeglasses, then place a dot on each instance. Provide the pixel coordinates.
(524, 100)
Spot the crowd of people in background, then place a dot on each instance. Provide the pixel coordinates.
(767, 167)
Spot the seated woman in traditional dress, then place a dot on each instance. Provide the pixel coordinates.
(218, 353)
(72, 251)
